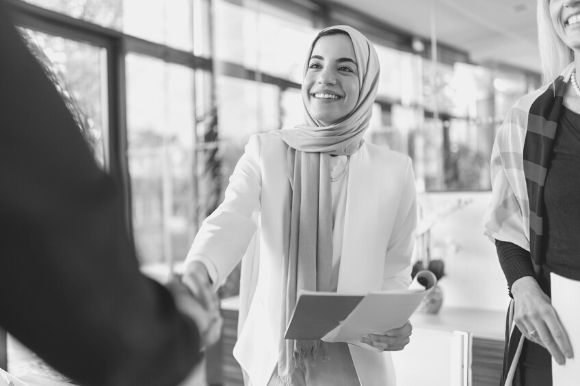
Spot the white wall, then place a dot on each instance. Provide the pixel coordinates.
(473, 275)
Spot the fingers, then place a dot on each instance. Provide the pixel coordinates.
(195, 297)
(214, 332)
(558, 332)
(391, 340)
(197, 280)
(386, 343)
(538, 320)
(404, 330)
(544, 328)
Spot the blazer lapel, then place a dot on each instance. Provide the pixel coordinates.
(358, 272)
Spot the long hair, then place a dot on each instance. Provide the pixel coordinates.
(554, 53)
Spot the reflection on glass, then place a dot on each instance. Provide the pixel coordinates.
(438, 92)
(160, 116)
(108, 13)
(508, 87)
(202, 26)
(292, 108)
(162, 21)
(266, 39)
(401, 75)
(467, 153)
(81, 69)
(244, 107)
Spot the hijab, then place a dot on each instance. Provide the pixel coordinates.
(308, 239)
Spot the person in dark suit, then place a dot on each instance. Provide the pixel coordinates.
(70, 285)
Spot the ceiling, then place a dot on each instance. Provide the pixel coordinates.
(489, 30)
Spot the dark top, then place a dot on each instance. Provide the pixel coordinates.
(70, 286)
(562, 199)
(515, 261)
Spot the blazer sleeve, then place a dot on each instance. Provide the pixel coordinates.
(70, 285)
(225, 234)
(401, 243)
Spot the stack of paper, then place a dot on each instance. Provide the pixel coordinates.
(334, 317)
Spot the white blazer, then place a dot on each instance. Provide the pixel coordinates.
(380, 220)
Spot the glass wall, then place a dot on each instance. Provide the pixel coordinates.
(160, 128)
(136, 104)
(160, 21)
(260, 52)
(176, 88)
(80, 72)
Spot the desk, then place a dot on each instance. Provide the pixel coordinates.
(484, 329)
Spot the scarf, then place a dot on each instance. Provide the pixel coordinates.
(308, 241)
(519, 166)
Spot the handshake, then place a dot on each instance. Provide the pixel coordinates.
(195, 298)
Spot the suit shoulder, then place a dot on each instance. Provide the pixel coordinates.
(387, 155)
(267, 139)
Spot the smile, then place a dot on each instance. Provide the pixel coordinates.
(574, 19)
(324, 95)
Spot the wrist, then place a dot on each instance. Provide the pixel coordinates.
(524, 285)
(200, 270)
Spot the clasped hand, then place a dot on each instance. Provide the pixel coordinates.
(537, 319)
(194, 297)
(391, 340)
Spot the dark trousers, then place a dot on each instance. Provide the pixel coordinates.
(535, 365)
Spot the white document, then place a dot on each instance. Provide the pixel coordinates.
(565, 294)
(382, 311)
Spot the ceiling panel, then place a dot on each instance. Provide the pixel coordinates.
(489, 30)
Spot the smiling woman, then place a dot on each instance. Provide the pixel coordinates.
(533, 216)
(329, 212)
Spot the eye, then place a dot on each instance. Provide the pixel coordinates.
(345, 68)
(314, 65)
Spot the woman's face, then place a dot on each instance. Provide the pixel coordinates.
(331, 87)
(565, 15)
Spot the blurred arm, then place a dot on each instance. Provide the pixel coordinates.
(70, 287)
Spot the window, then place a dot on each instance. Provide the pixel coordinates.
(401, 76)
(167, 22)
(108, 13)
(81, 74)
(160, 126)
(263, 38)
(245, 107)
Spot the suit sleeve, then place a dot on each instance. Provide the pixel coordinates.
(400, 248)
(225, 235)
(70, 287)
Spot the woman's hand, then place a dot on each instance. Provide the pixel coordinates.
(392, 340)
(195, 298)
(537, 319)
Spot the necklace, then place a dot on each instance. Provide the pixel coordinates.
(575, 83)
(342, 172)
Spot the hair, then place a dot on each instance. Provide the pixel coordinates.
(554, 53)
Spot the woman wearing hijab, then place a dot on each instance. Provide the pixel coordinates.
(535, 209)
(315, 208)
